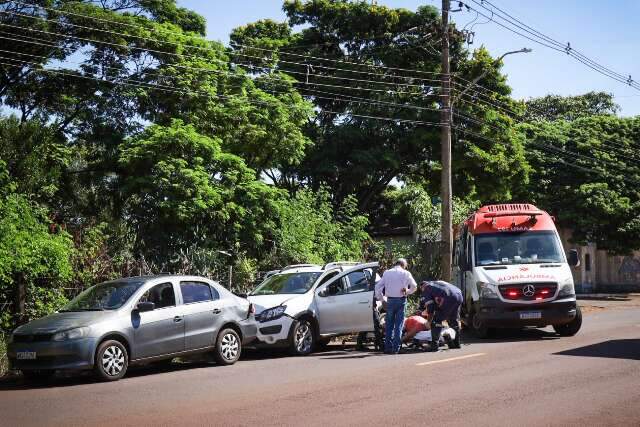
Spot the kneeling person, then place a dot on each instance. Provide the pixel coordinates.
(443, 301)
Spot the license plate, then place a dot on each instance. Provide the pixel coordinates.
(26, 355)
(531, 315)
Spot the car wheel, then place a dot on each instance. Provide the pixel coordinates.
(112, 361)
(228, 347)
(478, 327)
(302, 337)
(38, 375)
(571, 328)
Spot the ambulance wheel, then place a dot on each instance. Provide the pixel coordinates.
(478, 327)
(571, 328)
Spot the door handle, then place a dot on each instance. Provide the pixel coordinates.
(216, 311)
(363, 302)
(177, 319)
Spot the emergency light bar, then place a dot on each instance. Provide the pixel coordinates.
(507, 213)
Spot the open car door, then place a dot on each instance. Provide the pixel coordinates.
(345, 303)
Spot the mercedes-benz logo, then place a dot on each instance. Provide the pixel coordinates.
(528, 290)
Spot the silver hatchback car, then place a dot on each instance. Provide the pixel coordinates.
(135, 320)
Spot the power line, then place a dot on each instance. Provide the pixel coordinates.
(155, 30)
(345, 98)
(209, 50)
(551, 43)
(207, 70)
(144, 85)
(554, 151)
(633, 160)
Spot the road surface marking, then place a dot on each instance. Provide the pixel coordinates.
(451, 359)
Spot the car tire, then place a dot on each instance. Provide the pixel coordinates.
(479, 328)
(571, 328)
(38, 375)
(112, 361)
(302, 338)
(228, 347)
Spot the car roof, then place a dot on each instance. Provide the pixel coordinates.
(309, 268)
(155, 277)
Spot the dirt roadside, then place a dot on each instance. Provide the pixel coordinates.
(591, 303)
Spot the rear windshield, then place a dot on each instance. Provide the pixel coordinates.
(287, 283)
(528, 247)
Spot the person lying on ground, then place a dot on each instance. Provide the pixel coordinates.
(414, 324)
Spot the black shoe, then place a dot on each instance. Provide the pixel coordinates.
(432, 347)
(448, 340)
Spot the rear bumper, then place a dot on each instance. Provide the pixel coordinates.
(76, 354)
(498, 314)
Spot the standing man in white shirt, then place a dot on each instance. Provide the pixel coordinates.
(397, 283)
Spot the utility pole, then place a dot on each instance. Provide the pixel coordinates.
(445, 142)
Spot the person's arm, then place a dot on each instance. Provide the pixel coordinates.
(412, 286)
(378, 289)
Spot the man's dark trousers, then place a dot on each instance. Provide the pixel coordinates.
(449, 311)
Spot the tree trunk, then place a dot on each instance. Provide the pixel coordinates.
(21, 299)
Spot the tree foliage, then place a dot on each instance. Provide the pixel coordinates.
(595, 190)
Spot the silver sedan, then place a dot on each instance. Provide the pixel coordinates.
(135, 320)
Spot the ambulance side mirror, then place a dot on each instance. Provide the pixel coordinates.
(574, 259)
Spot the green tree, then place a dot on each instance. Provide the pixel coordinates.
(556, 107)
(181, 189)
(34, 262)
(311, 230)
(595, 190)
(353, 154)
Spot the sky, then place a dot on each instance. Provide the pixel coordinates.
(605, 31)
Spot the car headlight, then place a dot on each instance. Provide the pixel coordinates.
(567, 290)
(71, 334)
(486, 290)
(272, 313)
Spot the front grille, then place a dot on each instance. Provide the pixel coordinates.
(32, 338)
(528, 291)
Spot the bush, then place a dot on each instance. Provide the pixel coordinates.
(312, 231)
(34, 262)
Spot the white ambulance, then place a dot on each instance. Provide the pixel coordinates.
(513, 272)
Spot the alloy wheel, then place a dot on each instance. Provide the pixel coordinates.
(113, 360)
(230, 346)
(303, 337)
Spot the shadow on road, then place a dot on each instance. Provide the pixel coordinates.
(615, 349)
(74, 378)
(616, 297)
(511, 335)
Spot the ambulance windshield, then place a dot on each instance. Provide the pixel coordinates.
(527, 247)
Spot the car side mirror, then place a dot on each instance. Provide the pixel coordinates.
(323, 293)
(145, 306)
(574, 259)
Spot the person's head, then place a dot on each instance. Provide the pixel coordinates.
(423, 286)
(401, 262)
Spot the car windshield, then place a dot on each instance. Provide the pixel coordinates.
(287, 283)
(528, 247)
(105, 296)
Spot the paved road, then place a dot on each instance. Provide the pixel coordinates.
(525, 378)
